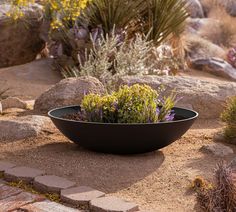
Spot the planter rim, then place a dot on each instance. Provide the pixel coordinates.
(121, 124)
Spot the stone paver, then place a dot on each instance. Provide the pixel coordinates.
(14, 202)
(81, 195)
(5, 166)
(52, 183)
(46, 206)
(22, 173)
(7, 191)
(112, 204)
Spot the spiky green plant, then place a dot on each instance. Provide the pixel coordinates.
(164, 18)
(110, 13)
(229, 117)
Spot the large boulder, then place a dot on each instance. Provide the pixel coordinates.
(68, 92)
(22, 127)
(216, 67)
(198, 48)
(231, 7)
(30, 80)
(206, 97)
(195, 9)
(20, 40)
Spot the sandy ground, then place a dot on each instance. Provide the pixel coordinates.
(158, 180)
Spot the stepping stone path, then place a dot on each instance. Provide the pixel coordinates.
(112, 204)
(76, 197)
(15, 201)
(51, 183)
(80, 195)
(22, 173)
(47, 206)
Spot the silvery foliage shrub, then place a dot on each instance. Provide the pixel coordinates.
(110, 58)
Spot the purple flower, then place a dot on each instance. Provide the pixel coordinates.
(170, 116)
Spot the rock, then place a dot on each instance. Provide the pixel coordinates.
(13, 102)
(68, 92)
(198, 48)
(5, 166)
(22, 127)
(20, 41)
(216, 67)
(33, 78)
(0, 108)
(199, 23)
(80, 195)
(206, 97)
(217, 149)
(22, 173)
(51, 183)
(195, 9)
(230, 7)
(112, 204)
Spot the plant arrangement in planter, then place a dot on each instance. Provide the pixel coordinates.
(229, 117)
(134, 119)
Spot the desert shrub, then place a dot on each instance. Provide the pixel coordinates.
(109, 59)
(229, 117)
(219, 195)
(135, 104)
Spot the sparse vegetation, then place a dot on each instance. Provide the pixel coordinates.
(229, 117)
(221, 194)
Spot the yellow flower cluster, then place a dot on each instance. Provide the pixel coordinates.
(61, 10)
(65, 10)
(15, 12)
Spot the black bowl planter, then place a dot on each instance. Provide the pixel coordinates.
(122, 138)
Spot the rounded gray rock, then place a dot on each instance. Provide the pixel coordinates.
(68, 92)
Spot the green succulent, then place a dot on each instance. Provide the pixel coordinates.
(229, 117)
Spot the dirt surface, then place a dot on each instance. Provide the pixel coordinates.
(158, 180)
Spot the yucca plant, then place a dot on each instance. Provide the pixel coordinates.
(164, 18)
(110, 13)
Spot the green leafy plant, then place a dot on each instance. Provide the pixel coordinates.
(164, 18)
(229, 117)
(110, 13)
(134, 104)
